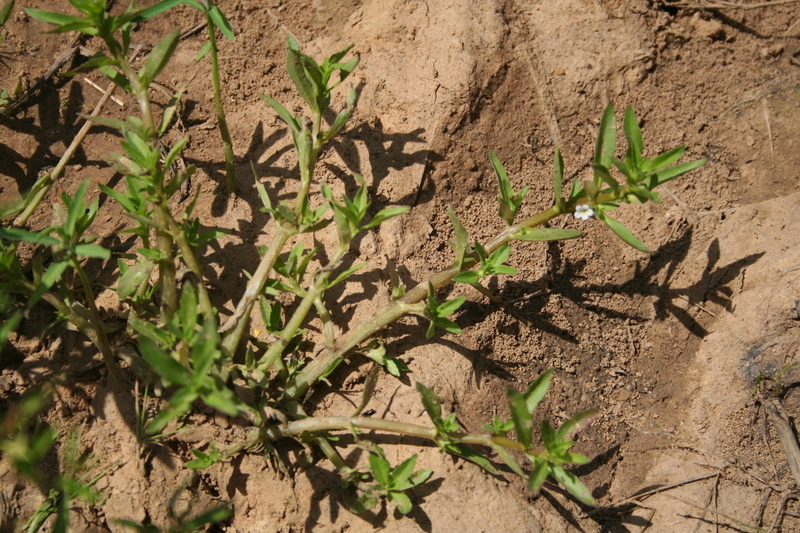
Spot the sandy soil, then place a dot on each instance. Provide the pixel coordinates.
(670, 347)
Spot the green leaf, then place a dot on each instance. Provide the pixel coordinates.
(402, 473)
(170, 110)
(168, 369)
(96, 61)
(92, 250)
(203, 51)
(462, 450)
(623, 232)
(159, 58)
(107, 122)
(576, 191)
(546, 234)
(282, 112)
(221, 22)
(304, 86)
(572, 484)
(40, 237)
(49, 279)
(385, 214)
(537, 390)
(179, 404)
(364, 503)
(470, 276)
(5, 11)
(606, 139)
(204, 349)
(575, 424)
(603, 173)
(539, 474)
(509, 460)
(401, 501)
(450, 306)
(558, 173)
(667, 174)
(520, 416)
(662, 160)
(380, 469)
(117, 77)
(431, 402)
(130, 281)
(346, 274)
(224, 401)
(51, 17)
(157, 9)
(634, 136)
(461, 243)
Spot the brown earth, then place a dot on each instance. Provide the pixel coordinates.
(669, 346)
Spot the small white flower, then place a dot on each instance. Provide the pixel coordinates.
(583, 212)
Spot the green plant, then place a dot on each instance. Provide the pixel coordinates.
(193, 356)
(25, 447)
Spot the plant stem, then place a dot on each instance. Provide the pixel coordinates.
(190, 258)
(298, 428)
(299, 315)
(98, 325)
(238, 321)
(230, 167)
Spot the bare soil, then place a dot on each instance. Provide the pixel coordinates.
(670, 346)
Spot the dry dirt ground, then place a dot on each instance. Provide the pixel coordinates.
(669, 346)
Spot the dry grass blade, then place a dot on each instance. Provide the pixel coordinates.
(636, 497)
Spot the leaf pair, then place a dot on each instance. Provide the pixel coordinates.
(509, 200)
(391, 483)
(436, 313)
(350, 214)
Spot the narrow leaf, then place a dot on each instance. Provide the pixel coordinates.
(575, 424)
(462, 450)
(431, 402)
(380, 469)
(283, 112)
(401, 501)
(92, 250)
(663, 160)
(558, 173)
(667, 174)
(159, 58)
(572, 484)
(520, 416)
(461, 243)
(634, 136)
(221, 22)
(537, 390)
(623, 233)
(5, 11)
(539, 474)
(606, 138)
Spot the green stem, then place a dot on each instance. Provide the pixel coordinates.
(288, 333)
(307, 166)
(190, 258)
(238, 321)
(98, 326)
(230, 167)
(304, 426)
